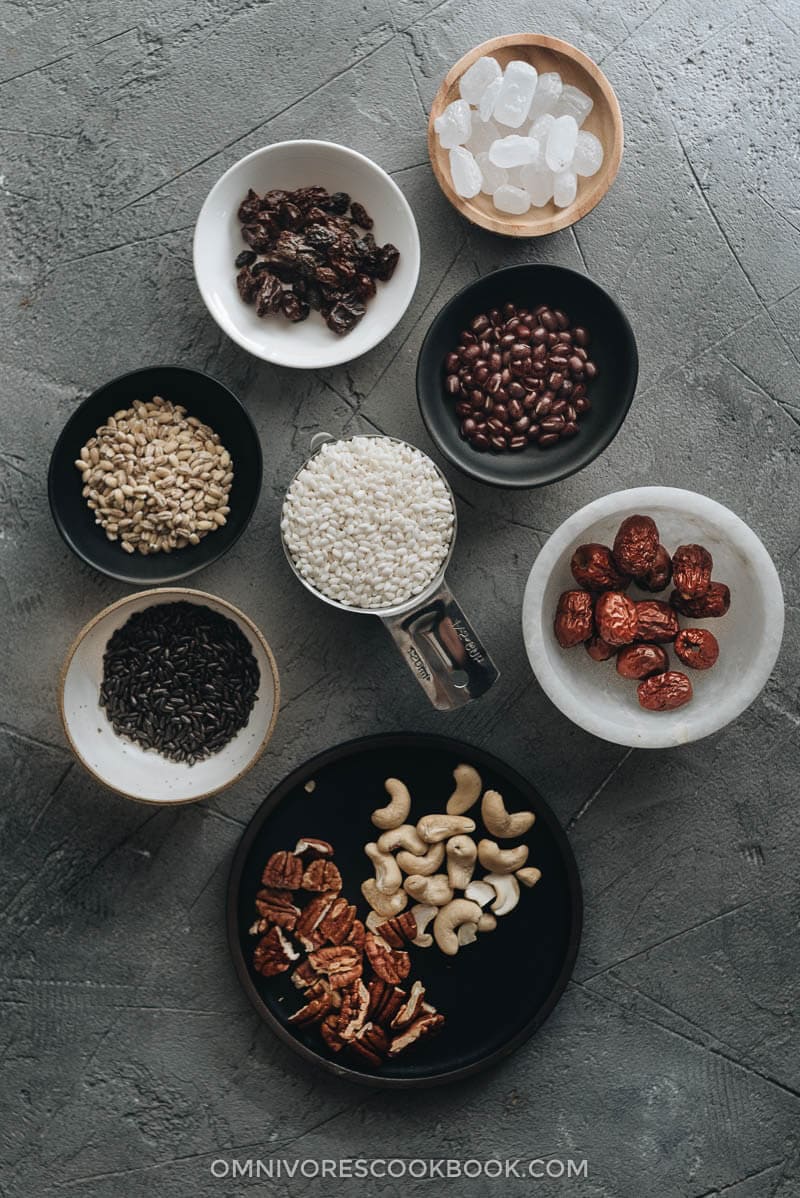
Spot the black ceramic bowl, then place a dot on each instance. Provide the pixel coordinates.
(204, 398)
(612, 347)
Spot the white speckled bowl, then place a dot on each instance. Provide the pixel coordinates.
(144, 774)
(592, 694)
(309, 345)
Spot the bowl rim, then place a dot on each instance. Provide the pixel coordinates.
(238, 615)
(503, 223)
(553, 551)
(222, 318)
(122, 575)
(480, 472)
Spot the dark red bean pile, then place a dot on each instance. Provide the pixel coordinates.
(519, 377)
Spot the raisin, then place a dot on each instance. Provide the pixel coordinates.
(249, 207)
(360, 215)
(387, 258)
(246, 258)
(247, 285)
(293, 307)
(338, 203)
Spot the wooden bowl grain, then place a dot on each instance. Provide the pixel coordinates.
(605, 121)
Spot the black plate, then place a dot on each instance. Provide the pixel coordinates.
(612, 346)
(204, 398)
(495, 993)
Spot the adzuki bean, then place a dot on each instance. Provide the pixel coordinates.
(515, 367)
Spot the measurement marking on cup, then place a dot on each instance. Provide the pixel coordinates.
(472, 650)
(419, 664)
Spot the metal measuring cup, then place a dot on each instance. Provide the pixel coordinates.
(435, 638)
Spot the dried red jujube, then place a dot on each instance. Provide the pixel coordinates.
(598, 649)
(691, 570)
(715, 602)
(657, 578)
(615, 618)
(697, 648)
(664, 692)
(656, 621)
(636, 545)
(640, 661)
(574, 620)
(594, 567)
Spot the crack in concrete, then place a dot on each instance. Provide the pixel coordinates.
(579, 814)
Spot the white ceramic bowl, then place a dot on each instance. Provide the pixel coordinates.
(144, 774)
(592, 694)
(217, 240)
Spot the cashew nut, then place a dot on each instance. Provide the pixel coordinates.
(425, 864)
(433, 828)
(529, 876)
(467, 934)
(500, 822)
(449, 920)
(404, 837)
(435, 890)
(461, 855)
(423, 914)
(388, 878)
(396, 812)
(468, 788)
(501, 861)
(385, 904)
(487, 922)
(506, 888)
(480, 892)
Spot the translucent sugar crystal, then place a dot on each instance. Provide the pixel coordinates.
(493, 176)
(561, 140)
(575, 103)
(548, 89)
(515, 94)
(564, 188)
(465, 173)
(475, 81)
(454, 125)
(588, 154)
(482, 135)
(540, 129)
(513, 151)
(487, 100)
(538, 182)
(514, 200)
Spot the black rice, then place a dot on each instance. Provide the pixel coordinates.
(179, 678)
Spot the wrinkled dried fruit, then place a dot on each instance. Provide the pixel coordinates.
(715, 602)
(636, 545)
(573, 622)
(640, 661)
(691, 570)
(658, 576)
(615, 617)
(598, 649)
(247, 285)
(594, 567)
(656, 621)
(664, 692)
(697, 647)
(283, 871)
(360, 215)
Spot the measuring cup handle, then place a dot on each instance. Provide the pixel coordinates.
(443, 651)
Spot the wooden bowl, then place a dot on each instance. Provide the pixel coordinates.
(605, 121)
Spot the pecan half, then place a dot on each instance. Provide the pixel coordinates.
(314, 1011)
(276, 906)
(321, 875)
(274, 954)
(389, 964)
(428, 1023)
(309, 848)
(636, 545)
(353, 1012)
(399, 930)
(640, 661)
(341, 963)
(356, 935)
(715, 602)
(615, 617)
(371, 1044)
(655, 621)
(697, 647)
(573, 623)
(593, 567)
(691, 570)
(384, 1001)
(664, 692)
(283, 871)
(307, 929)
(328, 1029)
(337, 923)
(411, 1008)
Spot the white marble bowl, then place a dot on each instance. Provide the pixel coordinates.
(592, 694)
(143, 774)
(310, 344)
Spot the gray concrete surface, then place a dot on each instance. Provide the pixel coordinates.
(130, 1059)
